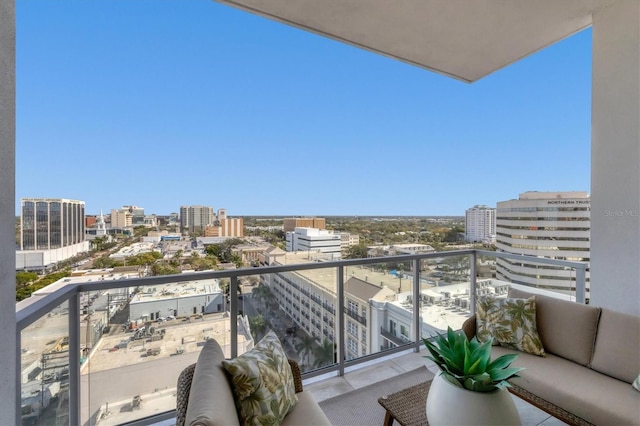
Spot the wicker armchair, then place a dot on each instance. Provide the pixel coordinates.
(184, 388)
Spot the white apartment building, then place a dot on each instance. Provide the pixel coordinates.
(309, 299)
(312, 239)
(480, 224)
(553, 225)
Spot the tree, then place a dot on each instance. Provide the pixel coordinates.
(24, 278)
(164, 268)
(262, 295)
(357, 252)
(325, 354)
(258, 326)
(98, 242)
(305, 346)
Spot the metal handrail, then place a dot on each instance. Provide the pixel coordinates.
(30, 310)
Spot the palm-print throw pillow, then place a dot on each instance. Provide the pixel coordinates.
(509, 322)
(262, 383)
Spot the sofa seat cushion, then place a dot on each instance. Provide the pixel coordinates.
(306, 413)
(617, 351)
(567, 329)
(211, 401)
(593, 396)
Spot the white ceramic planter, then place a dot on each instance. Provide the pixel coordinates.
(451, 405)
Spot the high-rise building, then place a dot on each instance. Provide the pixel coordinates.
(480, 224)
(311, 239)
(52, 230)
(196, 218)
(291, 223)
(554, 225)
(127, 217)
(50, 223)
(121, 218)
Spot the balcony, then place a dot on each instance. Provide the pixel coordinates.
(614, 129)
(362, 320)
(118, 360)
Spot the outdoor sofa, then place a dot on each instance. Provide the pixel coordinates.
(205, 394)
(592, 357)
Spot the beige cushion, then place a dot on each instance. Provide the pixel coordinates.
(306, 413)
(262, 383)
(509, 322)
(210, 399)
(617, 351)
(575, 338)
(595, 397)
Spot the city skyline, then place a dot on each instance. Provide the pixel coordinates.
(164, 104)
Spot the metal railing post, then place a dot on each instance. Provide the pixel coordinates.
(417, 322)
(340, 320)
(74, 359)
(233, 315)
(473, 258)
(581, 284)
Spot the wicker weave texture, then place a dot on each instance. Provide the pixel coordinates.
(548, 407)
(182, 393)
(408, 406)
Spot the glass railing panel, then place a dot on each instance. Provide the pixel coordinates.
(538, 277)
(136, 340)
(300, 307)
(378, 309)
(44, 369)
(445, 292)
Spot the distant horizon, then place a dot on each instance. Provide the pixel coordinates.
(151, 102)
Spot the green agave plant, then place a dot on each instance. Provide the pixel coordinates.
(468, 364)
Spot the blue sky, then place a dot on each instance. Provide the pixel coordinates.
(166, 103)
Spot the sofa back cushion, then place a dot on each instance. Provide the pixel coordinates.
(567, 329)
(617, 351)
(211, 398)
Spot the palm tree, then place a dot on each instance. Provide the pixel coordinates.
(305, 346)
(325, 354)
(258, 326)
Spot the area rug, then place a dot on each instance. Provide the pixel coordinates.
(360, 406)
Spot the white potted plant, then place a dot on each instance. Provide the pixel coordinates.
(470, 389)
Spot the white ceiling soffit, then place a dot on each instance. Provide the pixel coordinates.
(464, 39)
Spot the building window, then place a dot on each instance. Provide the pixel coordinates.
(403, 331)
(352, 328)
(392, 327)
(352, 345)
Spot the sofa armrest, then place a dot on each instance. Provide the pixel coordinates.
(469, 327)
(297, 376)
(182, 393)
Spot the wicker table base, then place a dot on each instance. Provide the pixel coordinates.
(408, 406)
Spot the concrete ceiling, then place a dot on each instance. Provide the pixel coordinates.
(463, 39)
